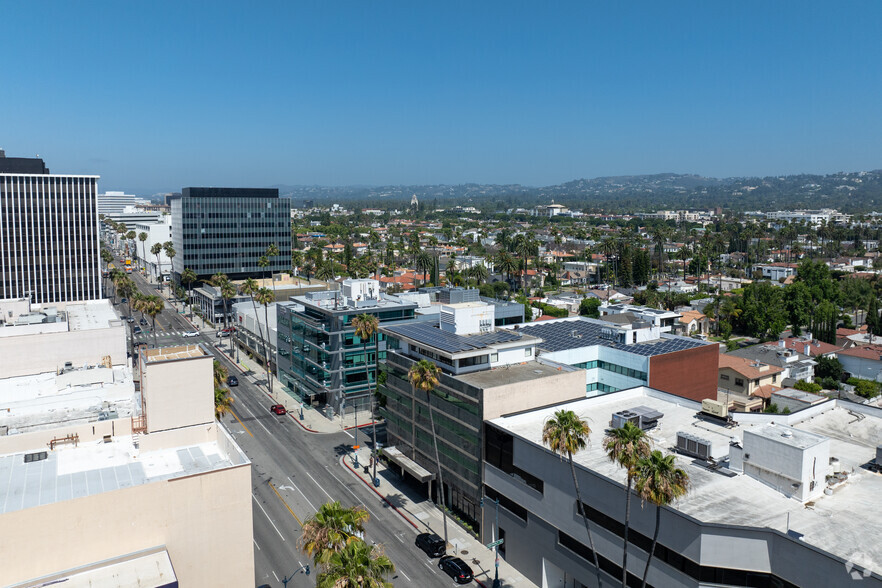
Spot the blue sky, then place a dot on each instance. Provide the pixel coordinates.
(154, 96)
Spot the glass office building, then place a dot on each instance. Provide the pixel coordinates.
(227, 230)
(320, 359)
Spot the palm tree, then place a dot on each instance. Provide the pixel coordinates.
(625, 446)
(480, 273)
(357, 565)
(330, 529)
(227, 292)
(660, 482)
(565, 434)
(296, 262)
(525, 246)
(169, 251)
(422, 264)
(272, 251)
(506, 265)
(223, 402)
(218, 280)
(325, 271)
(188, 276)
(156, 249)
(142, 236)
(220, 374)
(263, 262)
(130, 237)
(107, 258)
(266, 297)
(424, 375)
(153, 306)
(366, 326)
(250, 287)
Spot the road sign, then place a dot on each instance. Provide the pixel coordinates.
(495, 543)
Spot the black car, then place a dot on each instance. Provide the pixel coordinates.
(232, 381)
(431, 543)
(143, 322)
(456, 569)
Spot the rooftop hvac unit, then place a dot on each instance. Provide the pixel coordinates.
(694, 446)
(639, 416)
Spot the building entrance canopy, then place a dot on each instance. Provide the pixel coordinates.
(408, 465)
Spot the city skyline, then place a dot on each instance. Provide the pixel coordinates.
(155, 100)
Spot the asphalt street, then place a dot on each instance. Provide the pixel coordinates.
(293, 473)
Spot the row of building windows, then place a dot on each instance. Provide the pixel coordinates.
(612, 367)
(602, 387)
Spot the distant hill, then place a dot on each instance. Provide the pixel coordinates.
(854, 192)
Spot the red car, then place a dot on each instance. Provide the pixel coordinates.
(278, 409)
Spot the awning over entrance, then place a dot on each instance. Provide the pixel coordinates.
(408, 465)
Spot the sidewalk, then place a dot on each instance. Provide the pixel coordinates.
(424, 516)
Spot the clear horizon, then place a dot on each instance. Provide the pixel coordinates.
(157, 97)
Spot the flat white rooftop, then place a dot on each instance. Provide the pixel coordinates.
(95, 467)
(43, 400)
(831, 523)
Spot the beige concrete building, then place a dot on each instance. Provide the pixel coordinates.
(105, 480)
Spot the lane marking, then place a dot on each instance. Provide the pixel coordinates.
(322, 488)
(348, 433)
(405, 575)
(267, 516)
(354, 495)
(286, 504)
(274, 575)
(256, 545)
(241, 423)
(257, 420)
(302, 494)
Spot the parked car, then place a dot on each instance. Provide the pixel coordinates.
(456, 569)
(129, 319)
(278, 409)
(191, 334)
(232, 381)
(225, 333)
(431, 543)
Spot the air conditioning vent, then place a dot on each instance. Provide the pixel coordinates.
(38, 456)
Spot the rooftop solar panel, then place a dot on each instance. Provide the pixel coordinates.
(451, 342)
(559, 336)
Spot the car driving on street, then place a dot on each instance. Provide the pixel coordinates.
(278, 409)
(431, 543)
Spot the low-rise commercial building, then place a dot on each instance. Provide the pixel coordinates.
(758, 513)
(133, 484)
(320, 359)
(484, 373)
(627, 353)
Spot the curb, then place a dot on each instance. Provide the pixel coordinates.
(386, 500)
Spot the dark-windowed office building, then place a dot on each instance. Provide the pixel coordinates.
(227, 230)
(49, 249)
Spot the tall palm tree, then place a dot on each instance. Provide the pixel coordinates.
(424, 375)
(266, 297)
(330, 529)
(169, 252)
(188, 276)
(142, 236)
(625, 446)
(422, 264)
(218, 280)
(107, 258)
(251, 288)
(263, 262)
(223, 401)
(227, 292)
(565, 434)
(366, 326)
(525, 246)
(272, 251)
(153, 306)
(480, 273)
(156, 249)
(506, 265)
(296, 262)
(130, 238)
(660, 482)
(220, 374)
(357, 565)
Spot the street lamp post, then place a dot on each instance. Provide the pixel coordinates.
(287, 579)
(497, 541)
